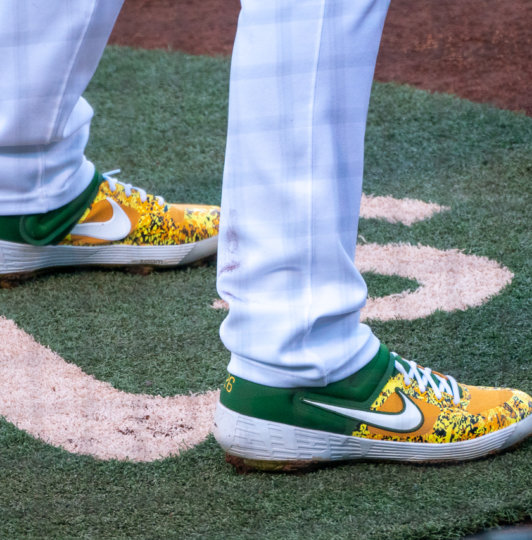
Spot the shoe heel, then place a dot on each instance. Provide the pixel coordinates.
(252, 444)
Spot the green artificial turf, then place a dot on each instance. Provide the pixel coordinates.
(161, 117)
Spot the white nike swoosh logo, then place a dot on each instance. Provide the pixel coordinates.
(409, 419)
(116, 228)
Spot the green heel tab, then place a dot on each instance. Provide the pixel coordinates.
(50, 227)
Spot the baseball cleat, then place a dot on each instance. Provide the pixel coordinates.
(391, 410)
(119, 225)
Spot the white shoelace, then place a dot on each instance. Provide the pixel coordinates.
(425, 376)
(128, 187)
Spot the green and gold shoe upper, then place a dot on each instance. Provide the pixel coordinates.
(389, 399)
(111, 212)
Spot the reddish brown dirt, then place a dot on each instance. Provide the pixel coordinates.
(478, 50)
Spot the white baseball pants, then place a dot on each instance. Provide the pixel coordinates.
(49, 50)
(300, 85)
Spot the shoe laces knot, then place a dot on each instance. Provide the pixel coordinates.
(128, 188)
(425, 376)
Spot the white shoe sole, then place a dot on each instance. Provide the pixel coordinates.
(19, 259)
(252, 443)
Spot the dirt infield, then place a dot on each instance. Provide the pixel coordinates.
(477, 50)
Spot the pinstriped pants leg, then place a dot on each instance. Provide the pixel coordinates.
(49, 50)
(300, 84)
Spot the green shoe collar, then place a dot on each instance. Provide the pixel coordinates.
(287, 405)
(50, 227)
